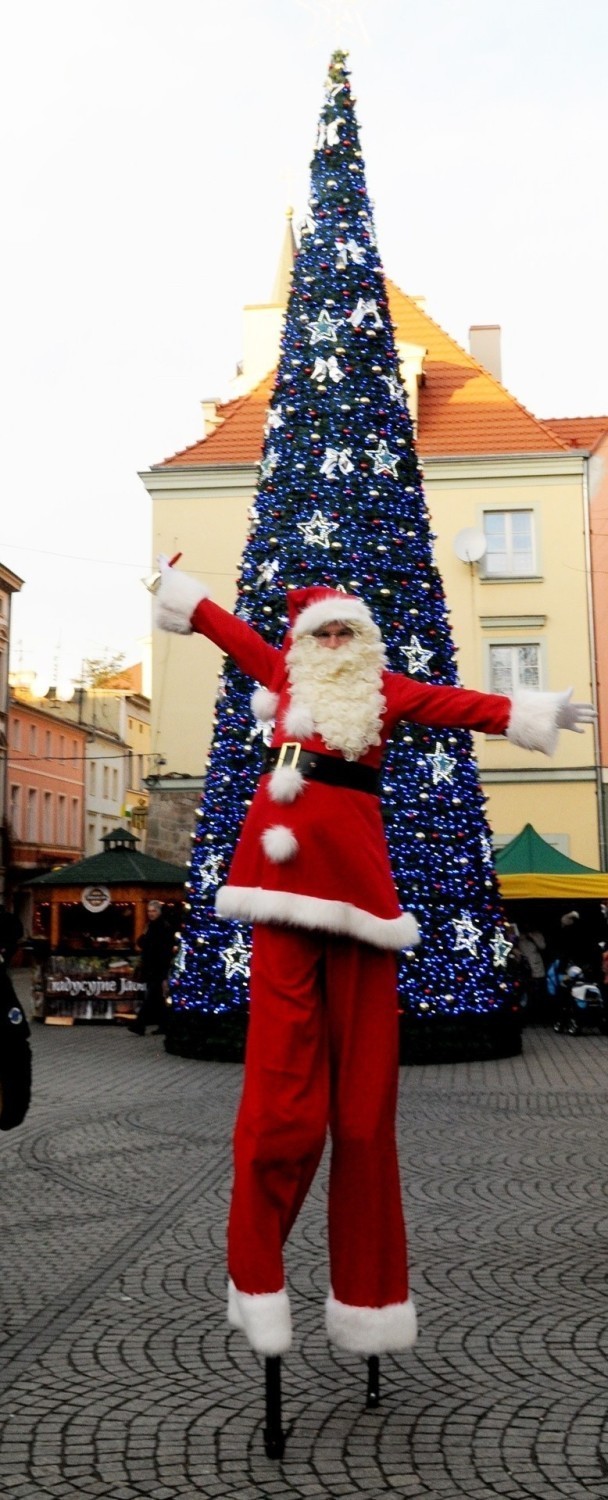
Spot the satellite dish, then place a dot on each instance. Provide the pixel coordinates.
(470, 544)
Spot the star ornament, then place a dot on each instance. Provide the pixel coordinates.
(467, 934)
(501, 948)
(417, 658)
(210, 871)
(384, 461)
(317, 531)
(236, 958)
(442, 763)
(324, 329)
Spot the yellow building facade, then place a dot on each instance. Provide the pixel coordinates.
(521, 615)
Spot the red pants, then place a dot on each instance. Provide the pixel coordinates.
(322, 1050)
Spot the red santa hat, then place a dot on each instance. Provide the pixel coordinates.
(311, 608)
(308, 610)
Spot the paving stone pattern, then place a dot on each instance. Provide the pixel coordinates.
(118, 1377)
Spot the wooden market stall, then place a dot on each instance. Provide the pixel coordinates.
(87, 918)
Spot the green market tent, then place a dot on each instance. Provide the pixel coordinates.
(530, 869)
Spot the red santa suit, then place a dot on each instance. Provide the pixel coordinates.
(311, 872)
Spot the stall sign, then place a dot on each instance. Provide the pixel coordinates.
(90, 988)
(96, 897)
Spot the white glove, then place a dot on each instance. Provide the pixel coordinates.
(573, 716)
(176, 599)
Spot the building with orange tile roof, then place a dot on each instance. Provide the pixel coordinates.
(489, 465)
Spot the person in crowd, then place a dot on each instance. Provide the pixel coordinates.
(11, 933)
(15, 1055)
(532, 946)
(156, 947)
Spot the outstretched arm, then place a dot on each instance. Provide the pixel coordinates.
(529, 719)
(182, 605)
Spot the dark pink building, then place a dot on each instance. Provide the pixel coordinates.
(45, 791)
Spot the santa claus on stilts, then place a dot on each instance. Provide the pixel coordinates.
(311, 872)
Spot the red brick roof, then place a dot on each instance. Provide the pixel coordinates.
(578, 432)
(462, 409)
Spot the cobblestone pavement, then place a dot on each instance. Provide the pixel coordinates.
(118, 1377)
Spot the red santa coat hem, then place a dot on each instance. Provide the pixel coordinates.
(254, 904)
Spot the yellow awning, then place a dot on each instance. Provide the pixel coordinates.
(534, 887)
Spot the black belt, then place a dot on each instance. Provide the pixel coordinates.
(328, 768)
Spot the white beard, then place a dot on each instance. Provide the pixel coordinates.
(338, 693)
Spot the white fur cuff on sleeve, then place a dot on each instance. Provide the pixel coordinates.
(176, 601)
(533, 723)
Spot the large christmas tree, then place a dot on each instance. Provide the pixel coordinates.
(340, 502)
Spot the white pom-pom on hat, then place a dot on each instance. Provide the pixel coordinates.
(279, 844)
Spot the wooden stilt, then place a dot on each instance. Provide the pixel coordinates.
(274, 1437)
(373, 1381)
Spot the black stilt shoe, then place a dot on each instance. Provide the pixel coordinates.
(274, 1437)
(373, 1381)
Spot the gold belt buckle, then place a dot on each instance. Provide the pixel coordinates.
(289, 745)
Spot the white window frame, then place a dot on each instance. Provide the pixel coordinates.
(514, 643)
(510, 572)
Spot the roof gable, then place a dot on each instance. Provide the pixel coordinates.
(462, 409)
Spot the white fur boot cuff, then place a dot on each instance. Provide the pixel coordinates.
(264, 1319)
(371, 1330)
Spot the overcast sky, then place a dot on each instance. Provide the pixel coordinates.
(149, 149)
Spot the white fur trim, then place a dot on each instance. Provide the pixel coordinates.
(253, 904)
(264, 704)
(279, 844)
(264, 1319)
(349, 611)
(533, 723)
(176, 601)
(298, 721)
(371, 1330)
(285, 784)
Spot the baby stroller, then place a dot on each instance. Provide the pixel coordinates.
(579, 1003)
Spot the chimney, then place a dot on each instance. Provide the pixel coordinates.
(211, 418)
(484, 344)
